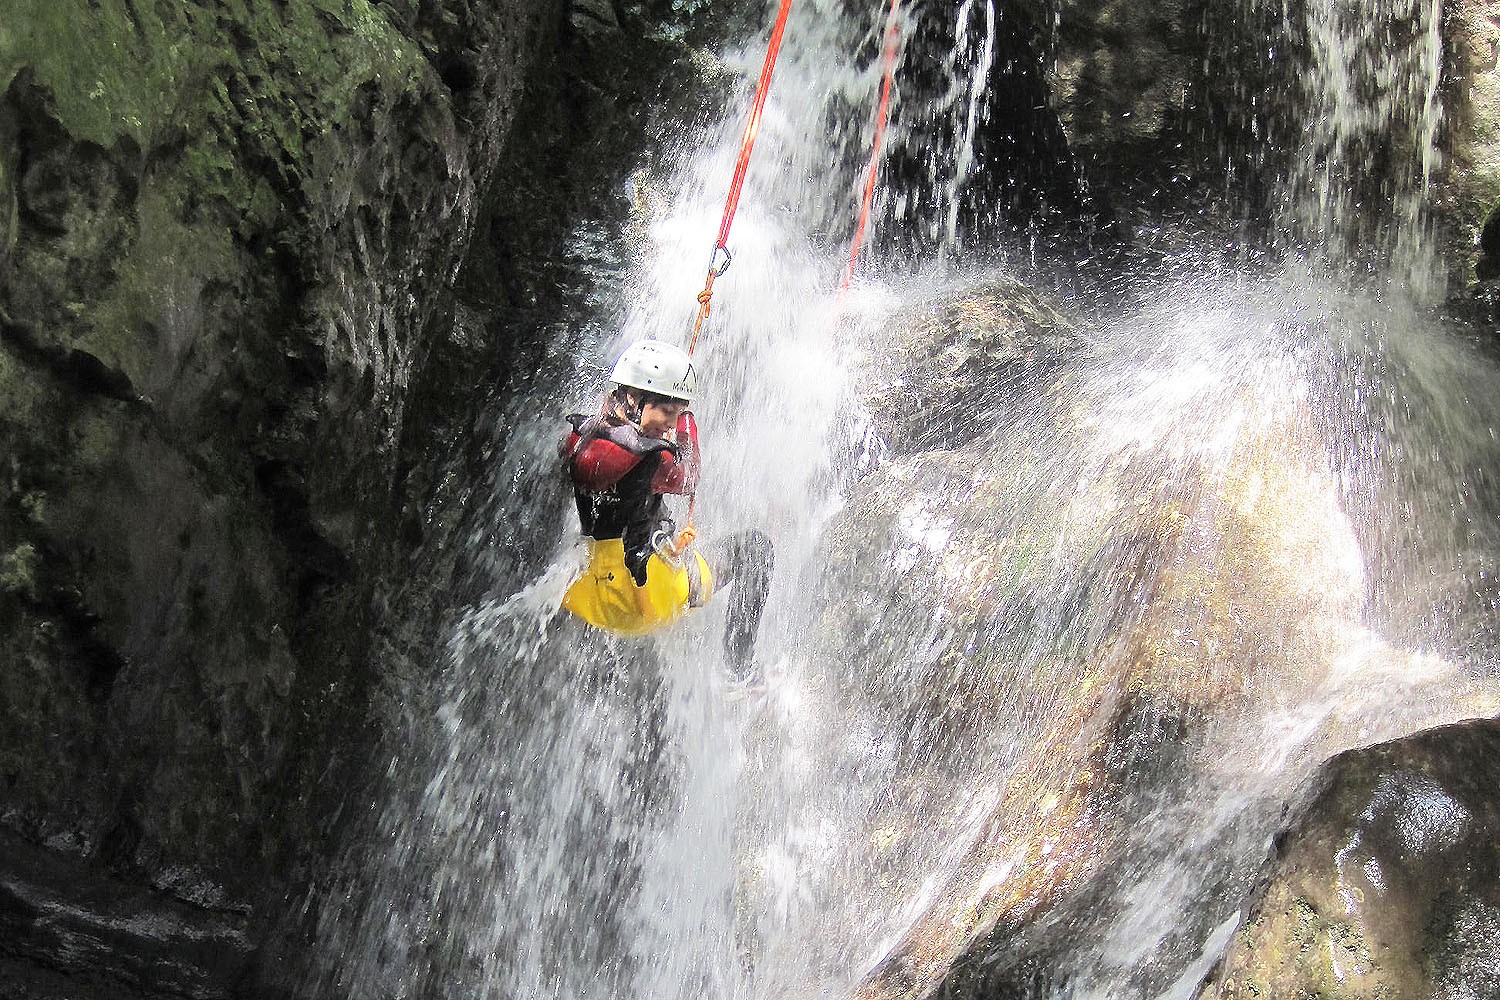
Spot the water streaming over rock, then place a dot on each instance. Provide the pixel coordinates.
(1064, 612)
(1359, 185)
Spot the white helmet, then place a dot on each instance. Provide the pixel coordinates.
(659, 367)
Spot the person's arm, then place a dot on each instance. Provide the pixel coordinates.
(679, 473)
(601, 463)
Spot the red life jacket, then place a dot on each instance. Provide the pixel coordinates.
(619, 476)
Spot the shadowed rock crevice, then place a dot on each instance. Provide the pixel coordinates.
(68, 927)
(76, 368)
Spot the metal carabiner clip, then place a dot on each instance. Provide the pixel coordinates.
(728, 259)
(661, 544)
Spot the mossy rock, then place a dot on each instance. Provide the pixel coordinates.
(959, 355)
(1388, 884)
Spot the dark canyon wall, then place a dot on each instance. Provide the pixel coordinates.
(260, 266)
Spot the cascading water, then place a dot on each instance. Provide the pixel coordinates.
(1054, 667)
(968, 69)
(1360, 183)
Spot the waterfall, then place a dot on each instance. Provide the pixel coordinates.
(1059, 676)
(1361, 179)
(964, 100)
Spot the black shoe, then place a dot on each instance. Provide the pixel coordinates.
(744, 676)
(752, 687)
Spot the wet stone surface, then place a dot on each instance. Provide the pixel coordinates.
(1389, 882)
(68, 930)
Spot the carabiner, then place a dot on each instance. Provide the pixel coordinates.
(661, 544)
(728, 259)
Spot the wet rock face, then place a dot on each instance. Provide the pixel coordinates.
(1154, 100)
(232, 247)
(1117, 101)
(1471, 194)
(1389, 882)
(1162, 104)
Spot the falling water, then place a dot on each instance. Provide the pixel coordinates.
(1360, 183)
(1054, 667)
(965, 100)
(938, 132)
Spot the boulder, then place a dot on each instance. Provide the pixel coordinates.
(1387, 883)
(1083, 594)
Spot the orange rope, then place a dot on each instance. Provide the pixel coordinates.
(705, 298)
(892, 41)
(736, 185)
(741, 167)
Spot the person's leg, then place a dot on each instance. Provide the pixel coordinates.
(747, 560)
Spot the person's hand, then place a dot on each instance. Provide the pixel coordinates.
(685, 537)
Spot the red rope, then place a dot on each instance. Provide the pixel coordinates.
(892, 40)
(741, 167)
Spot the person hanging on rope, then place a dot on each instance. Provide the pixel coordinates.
(643, 574)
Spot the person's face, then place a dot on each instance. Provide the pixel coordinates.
(659, 419)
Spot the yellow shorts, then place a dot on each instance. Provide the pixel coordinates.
(606, 596)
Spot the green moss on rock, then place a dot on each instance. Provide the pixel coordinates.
(18, 571)
(218, 113)
(141, 70)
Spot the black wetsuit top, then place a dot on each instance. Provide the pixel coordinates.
(629, 509)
